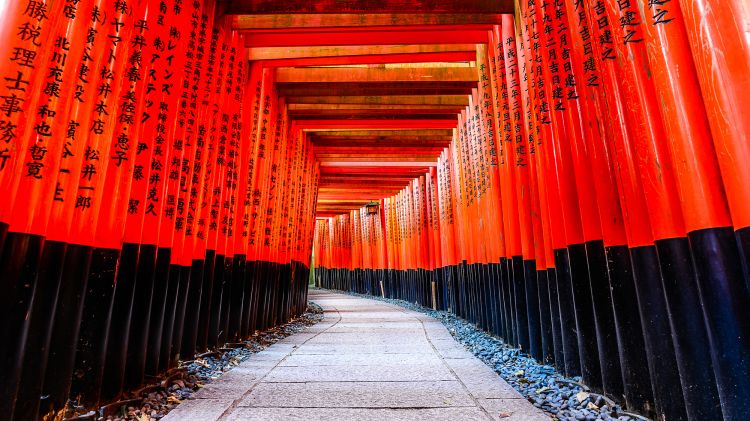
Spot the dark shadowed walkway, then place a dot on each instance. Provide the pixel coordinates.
(366, 360)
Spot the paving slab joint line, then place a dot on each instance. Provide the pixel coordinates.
(453, 372)
(236, 402)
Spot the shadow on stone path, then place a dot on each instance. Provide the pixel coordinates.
(367, 360)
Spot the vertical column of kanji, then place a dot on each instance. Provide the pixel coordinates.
(599, 136)
(458, 199)
(201, 96)
(721, 54)
(287, 201)
(423, 242)
(13, 96)
(168, 58)
(514, 171)
(215, 95)
(531, 154)
(504, 158)
(312, 195)
(241, 141)
(385, 218)
(406, 241)
(707, 216)
(148, 145)
(236, 164)
(581, 216)
(415, 233)
(175, 165)
(396, 232)
(28, 28)
(356, 249)
(35, 92)
(447, 237)
(250, 128)
(296, 260)
(113, 217)
(303, 220)
(111, 29)
(434, 237)
(465, 168)
(273, 192)
(261, 130)
(279, 205)
(478, 220)
(497, 209)
(490, 184)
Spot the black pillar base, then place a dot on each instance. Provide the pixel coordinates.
(689, 337)
(119, 330)
(192, 309)
(65, 329)
(632, 349)
(557, 339)
(725, 307)
(206, 296)
(665, 379)
(19, 267)
(606, 333)
(158, 310)
(135, 364)
(92, 340)
(40, 330)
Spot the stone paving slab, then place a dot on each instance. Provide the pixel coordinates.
(359, 414)
(353, 360)
(359, 395)
(368, 373)
(366, 360)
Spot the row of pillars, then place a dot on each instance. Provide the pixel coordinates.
(99, 324)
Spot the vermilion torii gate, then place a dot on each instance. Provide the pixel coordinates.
(568, 174)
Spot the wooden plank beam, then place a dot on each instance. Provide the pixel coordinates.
(448, 34)
(277, 53)
(375, 89)
(375, 75)
(450, 57)
(425, 164)
(458, 100)
(381, 171)
(282, 21)
(383, 133)
(376, 124)
(370, 107)
(252, 7)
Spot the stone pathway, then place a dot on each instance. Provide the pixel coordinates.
(367, 360)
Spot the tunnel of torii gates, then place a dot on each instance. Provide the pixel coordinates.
(570, 175)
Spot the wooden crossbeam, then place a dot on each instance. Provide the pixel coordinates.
(458, 56)
(270, 7)
(458, 100)
(382, 133)
(278, 53)
(370, 107)
(376, 75)
(375, 88)
(448, 34)
(282, 21)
